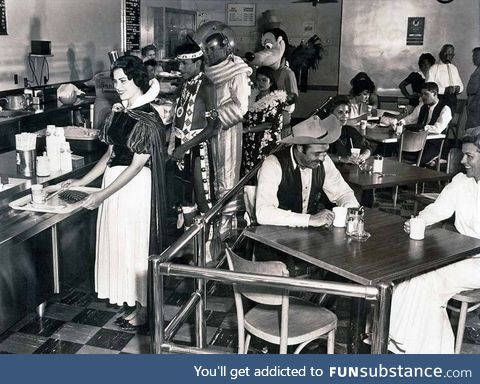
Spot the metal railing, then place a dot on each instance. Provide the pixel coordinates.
(162, 265)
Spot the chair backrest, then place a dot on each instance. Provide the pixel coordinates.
(454, 161)
(261, 295)
(412, 141)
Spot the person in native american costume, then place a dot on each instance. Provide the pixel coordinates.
(194, 123)
(230, 75)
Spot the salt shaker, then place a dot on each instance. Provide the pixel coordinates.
(378, 164)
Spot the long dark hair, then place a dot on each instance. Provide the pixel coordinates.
(134, 69)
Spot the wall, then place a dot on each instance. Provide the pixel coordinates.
(81, 32)
(374, 38)
(326, 19)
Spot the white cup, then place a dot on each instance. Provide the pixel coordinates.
(340, 216)
(355, 152)
(417, 228)
(38, 197)
(363, 124)
(189, 213)
(377, 164)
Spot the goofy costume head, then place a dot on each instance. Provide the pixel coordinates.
(274, 43)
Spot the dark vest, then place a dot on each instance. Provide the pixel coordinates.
(423, 115)
(290, 189)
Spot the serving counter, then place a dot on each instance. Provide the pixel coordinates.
(39, 252)
(53, 112)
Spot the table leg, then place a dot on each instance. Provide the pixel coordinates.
(381, 325)
(55, 259)
(357, 324)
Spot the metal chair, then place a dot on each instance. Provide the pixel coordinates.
(411, 142)
(465, 298)
(277, 318)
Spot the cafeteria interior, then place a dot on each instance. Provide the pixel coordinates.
(210, 285)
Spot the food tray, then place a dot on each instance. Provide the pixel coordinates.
(54, 205)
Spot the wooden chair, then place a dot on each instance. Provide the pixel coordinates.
(277, 318)
(411, 142)
(465, 298)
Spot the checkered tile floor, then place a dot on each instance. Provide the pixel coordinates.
(76, 322)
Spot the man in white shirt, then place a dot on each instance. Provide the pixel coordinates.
(445, 74)
(433, 115)
(296, 184)
(419, 320)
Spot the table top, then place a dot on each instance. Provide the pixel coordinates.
(389, 255)
(381, 134)
(394, 173)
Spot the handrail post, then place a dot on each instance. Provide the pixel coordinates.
(200, 260)
(158, 300)
(382, 319)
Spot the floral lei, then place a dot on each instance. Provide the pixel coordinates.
(269, 103)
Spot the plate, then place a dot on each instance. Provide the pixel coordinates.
(54, 205)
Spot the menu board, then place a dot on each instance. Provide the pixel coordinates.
(3, 18)
(241, 15)
(132, 25)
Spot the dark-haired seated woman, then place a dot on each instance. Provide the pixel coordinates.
(350, 138)
(362, 95)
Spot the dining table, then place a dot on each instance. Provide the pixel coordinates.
(394, 173)
(388, 257)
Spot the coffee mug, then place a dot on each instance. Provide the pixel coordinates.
(417, 228)
(340, 216)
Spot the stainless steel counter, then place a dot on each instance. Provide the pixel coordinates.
(40, 252)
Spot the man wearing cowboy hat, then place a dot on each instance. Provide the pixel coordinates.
(295, 182)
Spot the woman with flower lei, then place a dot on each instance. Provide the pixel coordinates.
(263, 121)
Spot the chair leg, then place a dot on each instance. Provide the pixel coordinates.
(301, 346)
(461, 327)
(247, 343)
(395, 197)
(331, 342)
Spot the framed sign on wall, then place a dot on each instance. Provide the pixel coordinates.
(241, 15)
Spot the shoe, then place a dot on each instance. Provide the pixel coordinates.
(120, 320)
(126, 326)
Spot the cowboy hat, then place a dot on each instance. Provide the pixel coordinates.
(315, 131)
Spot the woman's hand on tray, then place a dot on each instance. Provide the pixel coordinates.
(93, 201)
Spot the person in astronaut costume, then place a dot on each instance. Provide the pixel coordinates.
(230, 76)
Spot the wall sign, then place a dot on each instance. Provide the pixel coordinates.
(3, 18)
(241, 15)
(131, 25)
(415, 30)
